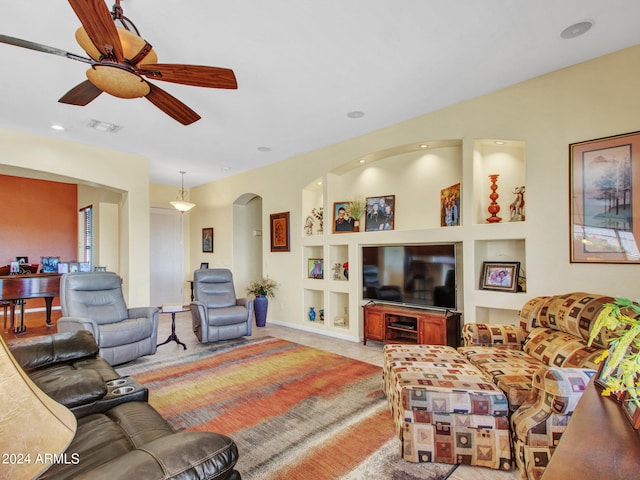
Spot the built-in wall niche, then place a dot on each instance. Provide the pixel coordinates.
(414, 174)
(313, 254)
(312, 205)
(498, 251)
(314, 305)
(335, 267)
(499, 163)
(501, 316)
(339, 310)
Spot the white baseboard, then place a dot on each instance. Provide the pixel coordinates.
(317, 330)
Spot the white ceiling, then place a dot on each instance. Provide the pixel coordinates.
(301, 66)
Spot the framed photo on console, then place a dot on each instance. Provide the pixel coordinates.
(500, 276)
(604, 201)
(632, 411)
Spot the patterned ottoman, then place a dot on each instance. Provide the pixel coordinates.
(444, 409)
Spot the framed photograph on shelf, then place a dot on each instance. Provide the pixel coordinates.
(315, 268)
(204, 265)
(632, 411)
(49, 264)
(380, 213)
(342, 222)
(207, 240)
(604, 201)
(500, 276)
(601, 380)
(450, 206)
(280, 232)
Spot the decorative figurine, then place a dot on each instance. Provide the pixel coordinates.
(336, 271)
(308, 225)
(517, 206)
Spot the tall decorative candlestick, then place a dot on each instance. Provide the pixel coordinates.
(493, 208)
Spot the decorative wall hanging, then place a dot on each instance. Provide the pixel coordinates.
(280, 232)
(605, 199)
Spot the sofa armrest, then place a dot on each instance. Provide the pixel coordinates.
(195, 455)
(76, 324)
(493, 335)
(50, 349)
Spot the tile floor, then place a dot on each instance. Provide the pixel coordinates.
(371, 353)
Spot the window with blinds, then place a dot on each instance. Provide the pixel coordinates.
(86, 235)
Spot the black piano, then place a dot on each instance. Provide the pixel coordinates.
(16, 288)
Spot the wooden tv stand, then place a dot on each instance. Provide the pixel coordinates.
(398, 324)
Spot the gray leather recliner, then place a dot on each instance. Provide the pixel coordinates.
(93, 301)
(216, 313)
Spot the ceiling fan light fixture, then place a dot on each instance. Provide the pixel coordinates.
(181, 204)
(117, 81)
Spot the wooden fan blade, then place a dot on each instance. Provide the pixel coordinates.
(81, 94)
(18, 42)
(171, 106)
(196, 75)
(97, 22)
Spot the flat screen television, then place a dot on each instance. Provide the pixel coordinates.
(414, 275)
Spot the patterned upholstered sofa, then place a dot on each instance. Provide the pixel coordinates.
(508, 393)
(543, 365)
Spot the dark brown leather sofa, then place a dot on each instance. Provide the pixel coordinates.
(119, 435)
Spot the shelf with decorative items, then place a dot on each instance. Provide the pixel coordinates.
(499, 181)
(313, 208)
(314, 305)
(339, 262)
(339, 309)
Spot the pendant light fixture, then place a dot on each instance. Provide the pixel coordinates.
(181, 204)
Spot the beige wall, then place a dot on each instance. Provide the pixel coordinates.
(97, 167)
(587, 101)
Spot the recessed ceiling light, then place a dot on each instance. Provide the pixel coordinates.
(362, 160)
(319, 182)
(424, 145)
(57, 127)
(264, 149)
(576, 29)
(355, 114)
(500, 142)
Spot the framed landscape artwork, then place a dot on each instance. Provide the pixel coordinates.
(605, 199)
(280, 232)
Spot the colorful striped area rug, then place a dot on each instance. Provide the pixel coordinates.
(295, 412)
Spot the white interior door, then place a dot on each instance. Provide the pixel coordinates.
(167, 251)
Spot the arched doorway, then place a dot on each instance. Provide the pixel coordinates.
(247, 240)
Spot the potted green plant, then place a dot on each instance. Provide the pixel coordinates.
(621, 373)
(355, 209)
(262, 289)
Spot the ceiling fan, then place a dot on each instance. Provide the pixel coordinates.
(121, 62)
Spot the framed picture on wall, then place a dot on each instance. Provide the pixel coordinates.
(605, 199)
(207, 240)
(500, 276)
(280, 232)
(380, 213)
